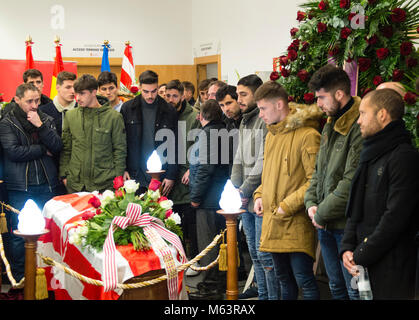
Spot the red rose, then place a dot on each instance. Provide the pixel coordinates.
(94, 201)
(292, 55)
(169, 213)
(406, 48)
(364, 64)
(321, 27)
(398, 15)
(310, 15)
(411, 62)
(283, 60)
(293, 32)
(303, 75)
(365, 91)
(334, 51)
(410, 98)
(162, 198)
(274, 76)
(88, 215)
(345, 32)
(377, 80)
(344, 4)
(134, 89)
(351, 15)
(387, 31)
(291, 99)
(118, 182)
(382, 53)
(323, 5)
(309, 98)
(154, 185)
(373, 40)
(301, 16)
(285, 73)
(98, 211)
(397, 75)
(119, 194)
(305, 45)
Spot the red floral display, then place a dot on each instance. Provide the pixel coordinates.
(344, 4)
(274, 76)
(397, 75)
(309, 98)
(410, 98)
(406, 48)
(377, 80)
(382, 53)
(293, 32)
(292, 55)
(323, 5)
(321, 27)
(301, 16)
(285, 72)
(303, 75)
(387, 31)
(398, 15)
(364, 64)
(345, 32)
(154, 185)
(118, 182)
(411, 62)
(94, 201)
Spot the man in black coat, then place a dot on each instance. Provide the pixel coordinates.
(29, 141)
(383, 208)
(151, 124)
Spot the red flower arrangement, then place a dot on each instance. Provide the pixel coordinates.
(323, 5)
(406, 48)
(345, 32)
(382, 53)
(309, 98)
(274, 76)
(321, 27)
(398, 15)
(377, 80)
(410, 98)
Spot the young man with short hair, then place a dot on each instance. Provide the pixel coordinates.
(383, 203)
(144, 116)
(202, 93)
(208, 176)
(213, 87)
(291, 146)
(108, 87)
(94, 141)
(35, 77)
(337, 160)
(63, 101)
(189, 92)
(180, 193)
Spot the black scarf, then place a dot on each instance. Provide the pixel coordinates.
(27, 126)
(374, 147)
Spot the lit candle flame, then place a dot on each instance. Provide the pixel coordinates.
(31, 220)
(154, 163)
(230, 200)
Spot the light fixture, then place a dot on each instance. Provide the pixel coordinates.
(154, 163)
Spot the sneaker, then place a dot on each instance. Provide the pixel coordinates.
(251, 292)
(192, 273)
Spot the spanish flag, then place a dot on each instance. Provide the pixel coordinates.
(58, 67)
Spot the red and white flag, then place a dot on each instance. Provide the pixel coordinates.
(29, 58)
(128, 70)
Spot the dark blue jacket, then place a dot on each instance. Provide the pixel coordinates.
(166, 118)
(19, 151)
(207, 179)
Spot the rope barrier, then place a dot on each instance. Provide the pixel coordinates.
(51, 262)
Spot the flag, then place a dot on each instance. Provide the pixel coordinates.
(128, 71)
(29, 58)
(105, 57)
(58, 67)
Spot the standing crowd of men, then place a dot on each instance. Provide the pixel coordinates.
(352, 184)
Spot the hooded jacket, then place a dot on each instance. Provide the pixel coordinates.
(289, 158)
(94, 150)
(247, 168)
(338, 158)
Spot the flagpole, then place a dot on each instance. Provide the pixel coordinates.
(29, 57)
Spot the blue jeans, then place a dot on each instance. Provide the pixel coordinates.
(295, 270)
(40, 194)
(267, 282)
(339, 277)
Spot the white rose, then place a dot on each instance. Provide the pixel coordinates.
(166, 204)
(130, 186)
(75, 239)
(175, 217)
(107, 196)
(154, 195)
(82, 231)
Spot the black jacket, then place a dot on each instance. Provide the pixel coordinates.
(166, 118)
(19, 151)
(52, 111)
(207, 179)
(383, 221)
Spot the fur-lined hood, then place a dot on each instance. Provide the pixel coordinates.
(301, 115)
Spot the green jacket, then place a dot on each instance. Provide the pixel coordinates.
(94, 150)
(186, 122)
(337, 160)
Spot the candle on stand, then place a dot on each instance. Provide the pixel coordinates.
(154, 166)
(30, 227)
(230, 204)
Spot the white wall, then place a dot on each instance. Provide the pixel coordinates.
(162, 32)
(251, 32)
(159, 30)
